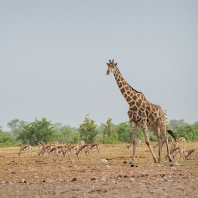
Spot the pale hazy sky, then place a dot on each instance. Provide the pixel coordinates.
(53, 57)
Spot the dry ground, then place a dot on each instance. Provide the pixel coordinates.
(34, 176)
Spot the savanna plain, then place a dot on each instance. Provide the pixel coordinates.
(31, 175)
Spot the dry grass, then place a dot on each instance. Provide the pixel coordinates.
(115, 154)
(72, 176)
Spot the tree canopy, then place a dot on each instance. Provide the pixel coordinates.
(22, 132)
(88, 130)
(36, 131)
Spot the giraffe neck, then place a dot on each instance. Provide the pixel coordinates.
(127, 91)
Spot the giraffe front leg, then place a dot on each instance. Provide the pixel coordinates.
(133, 134)
(134, 138)
(144, 129)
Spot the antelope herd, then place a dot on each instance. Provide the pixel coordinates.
(177, 148)
(53, 148)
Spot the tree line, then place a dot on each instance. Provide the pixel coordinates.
(22, 132)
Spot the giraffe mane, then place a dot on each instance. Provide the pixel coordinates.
(134, 89)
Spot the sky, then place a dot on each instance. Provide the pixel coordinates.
(53, 57)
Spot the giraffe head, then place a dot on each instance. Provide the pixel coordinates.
(111, 67)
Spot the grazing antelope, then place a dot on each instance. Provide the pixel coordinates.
(181, 140)
(41, 144)
(138, 143)
(24, 148)
(178, 151)
(82, 142)
(163, 142)
(191, 152)
(44, 150)
(57, 150)
(52, 151)
(95, 146)
(73, 147)
(66, 148)
(53, 144)
(85, 148)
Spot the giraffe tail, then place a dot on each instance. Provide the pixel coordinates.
(172, 134)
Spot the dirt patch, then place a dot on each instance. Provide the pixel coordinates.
(34, 176)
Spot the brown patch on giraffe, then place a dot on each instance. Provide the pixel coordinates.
(129, 98)
(134, 97)
(139, 95)
(124, 83)
(122, 90)
(135, 108)
(143, 104)
(139, 102)
(141, 109)
(132, 103)
(142, 97)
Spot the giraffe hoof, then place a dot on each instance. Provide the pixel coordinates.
(131, 162)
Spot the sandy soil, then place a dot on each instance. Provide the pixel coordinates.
(34, 176)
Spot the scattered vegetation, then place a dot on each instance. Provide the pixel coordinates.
(22, 132)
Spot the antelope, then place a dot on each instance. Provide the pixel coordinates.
(55, 150)
(44, 150)
(181, 140)
(24, 148)
(163, 142)
(191, 152)
(178, 150)
(66, 148)
(95, 146)
(85, 148)
(53, 144)
(41, 144)
(72, 147)
(82, 142)
(138, 143)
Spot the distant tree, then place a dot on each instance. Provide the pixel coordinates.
(195, 127)
(68, 134)
(6, 139)
(88, 130)
(174, 124)
(36, 131)
(110, 133)
(16, 126)
(58, 126)
(188, 132)
(125, 132)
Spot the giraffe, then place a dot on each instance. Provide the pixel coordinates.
(141, 113)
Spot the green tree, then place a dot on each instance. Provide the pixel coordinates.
(188, 132)
(88, 130)
(174, 124)
(195, 127)
(68, 134)
(110, 133)
(16, 126)
(6, 139)
(124, 132)
(36, 131)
